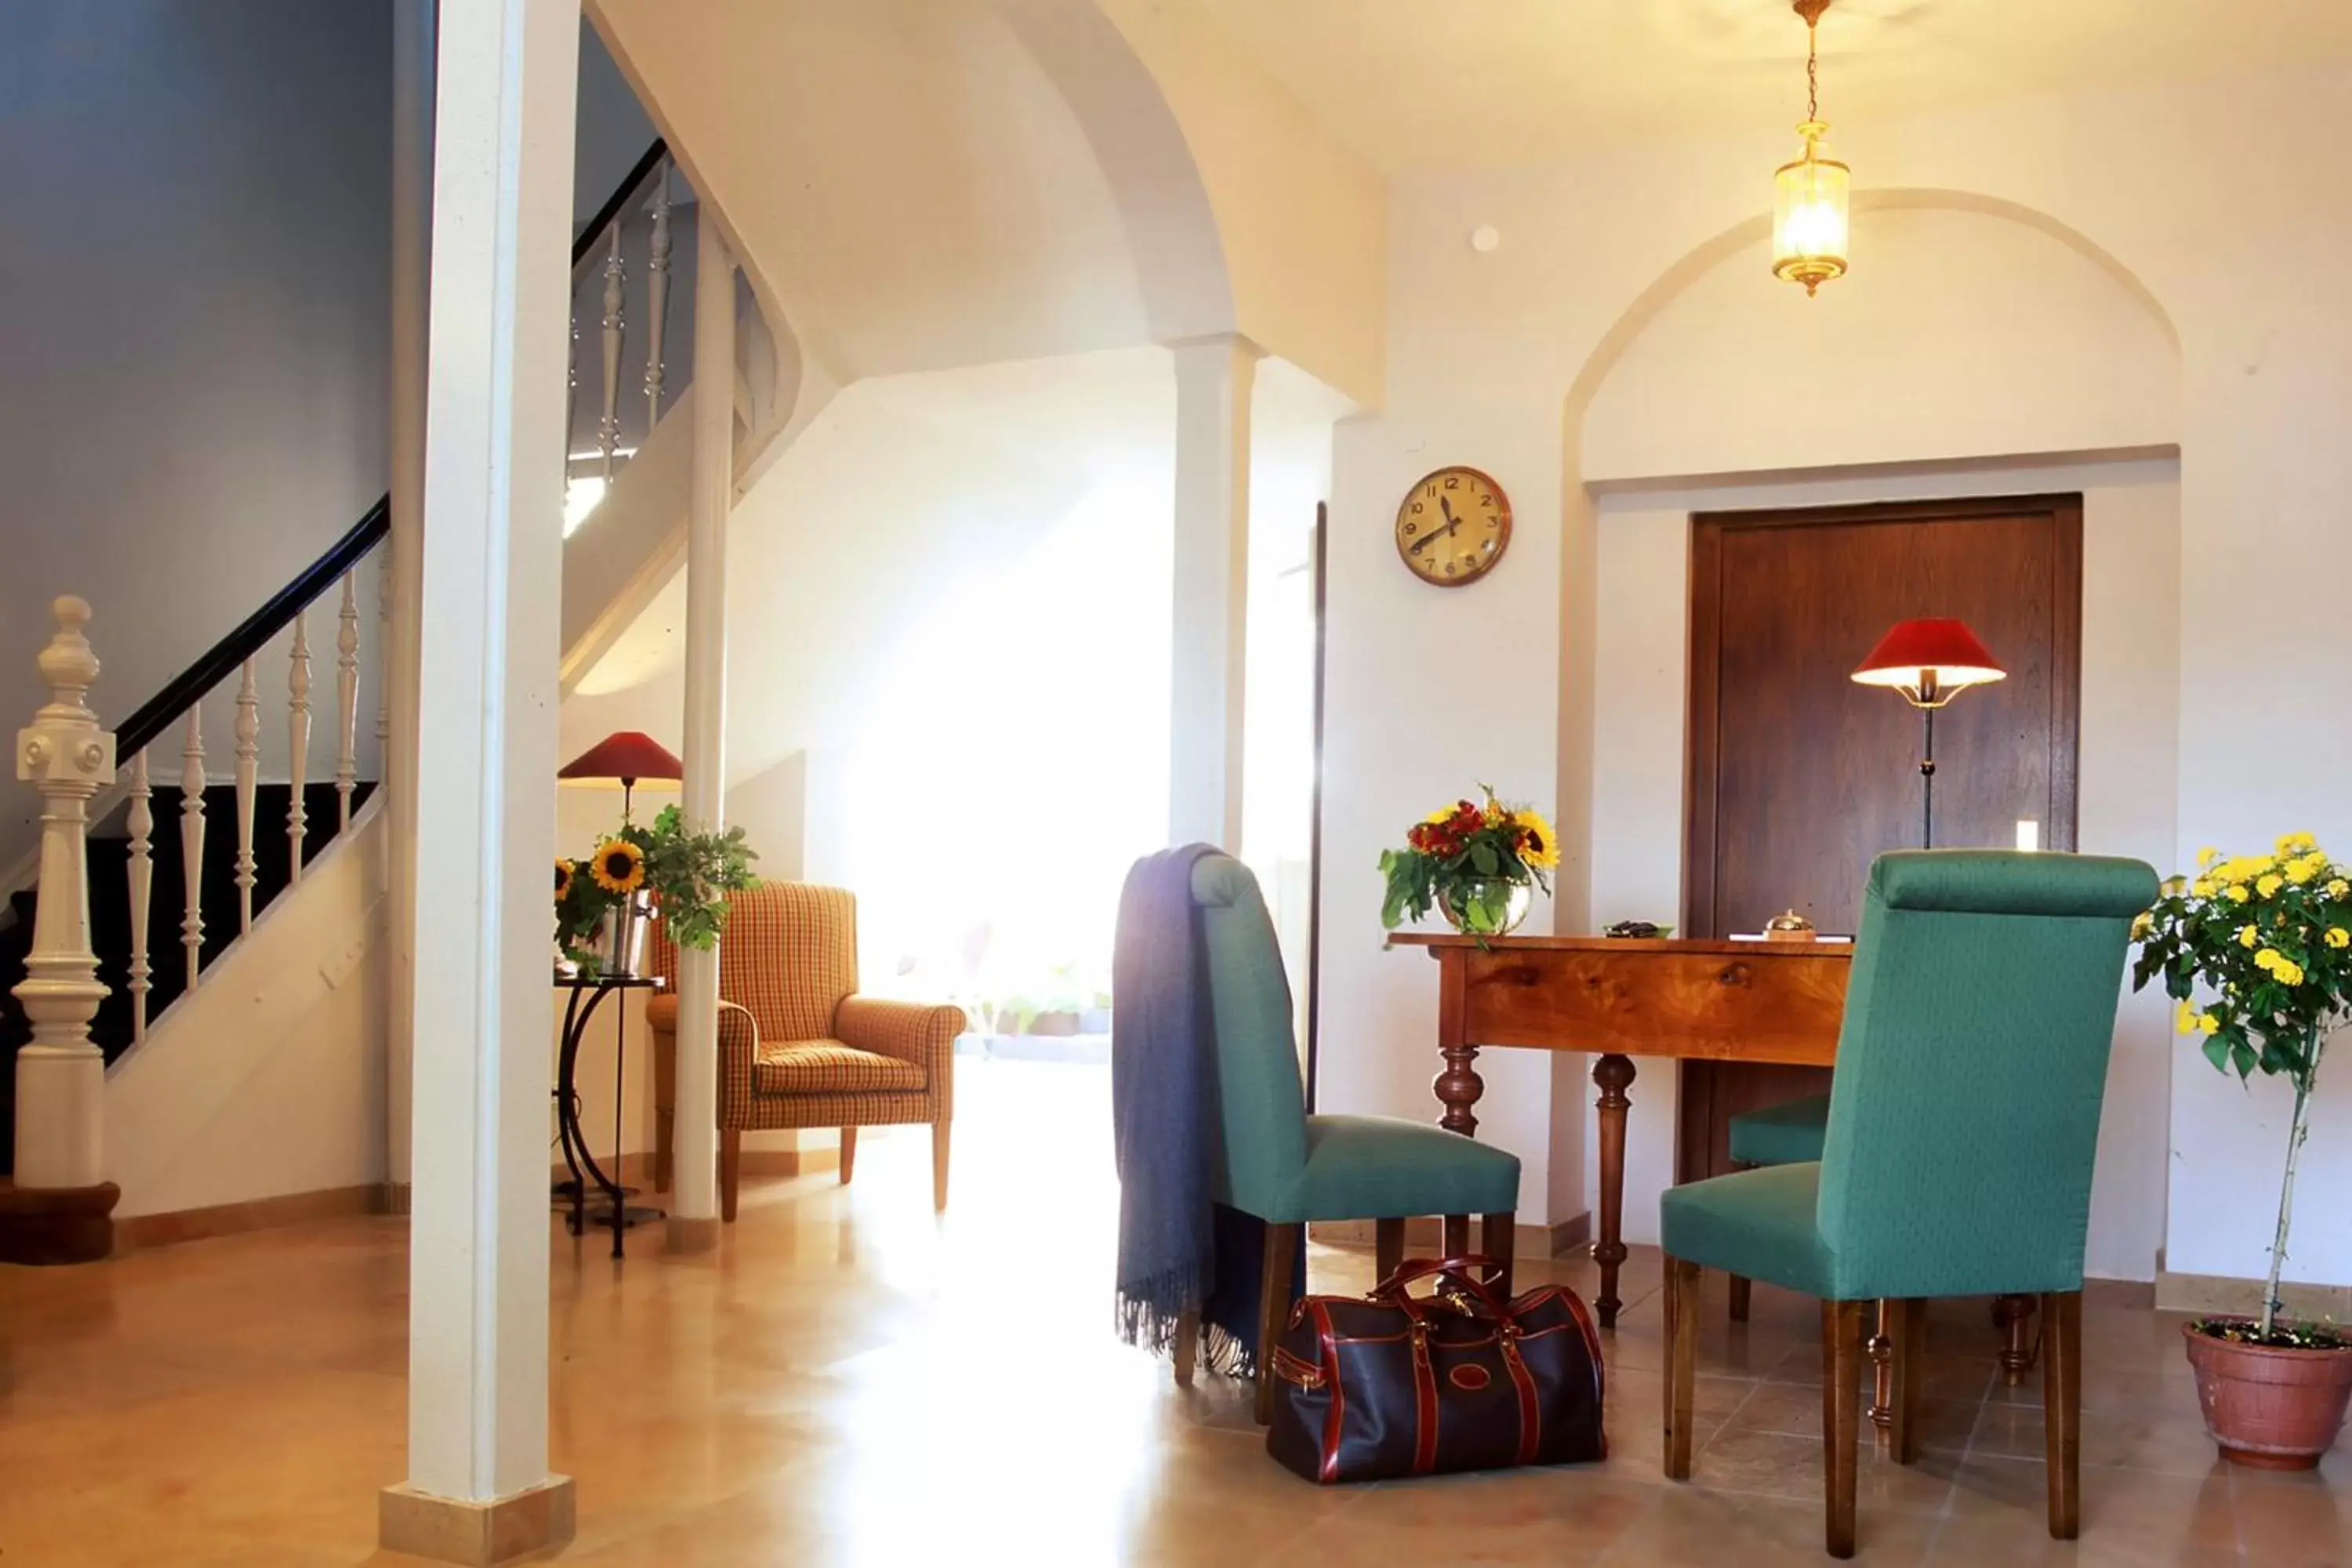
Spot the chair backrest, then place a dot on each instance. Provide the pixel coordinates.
(1964, 1116)
(1262, 1110)
(790, 955)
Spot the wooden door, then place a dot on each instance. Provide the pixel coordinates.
(1798, 777)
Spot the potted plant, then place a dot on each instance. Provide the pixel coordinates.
(2257, 951)
(601, 903)
(1478, 862)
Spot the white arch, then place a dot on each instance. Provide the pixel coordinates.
(1180, 257)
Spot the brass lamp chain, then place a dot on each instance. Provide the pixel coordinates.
(1813, 70)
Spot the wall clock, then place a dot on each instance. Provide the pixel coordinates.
(1453, 526)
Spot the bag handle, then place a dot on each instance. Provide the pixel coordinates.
(1458, 1269)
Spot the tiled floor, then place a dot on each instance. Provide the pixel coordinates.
(849, 1382)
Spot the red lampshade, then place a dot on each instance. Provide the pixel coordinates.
(624, 755)
(1928, 661)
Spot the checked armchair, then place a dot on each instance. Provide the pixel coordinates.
(797, 1046)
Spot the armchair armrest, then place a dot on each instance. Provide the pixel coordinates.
(739, 1048)
(921, 1032)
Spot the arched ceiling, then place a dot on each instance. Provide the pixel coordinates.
(1410, 85)
(902, 174)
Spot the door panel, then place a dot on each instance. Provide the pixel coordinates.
(1798, 777)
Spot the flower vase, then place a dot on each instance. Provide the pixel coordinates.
(620, 936)
(1490, 907)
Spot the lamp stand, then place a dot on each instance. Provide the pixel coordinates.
(1927, 779)
(628, 787)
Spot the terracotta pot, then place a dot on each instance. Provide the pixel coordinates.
(2275, 1409)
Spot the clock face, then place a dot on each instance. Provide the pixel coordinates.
(1452, 527)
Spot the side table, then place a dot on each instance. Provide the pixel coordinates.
(588, 995)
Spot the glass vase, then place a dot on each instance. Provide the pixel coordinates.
(1490, 906)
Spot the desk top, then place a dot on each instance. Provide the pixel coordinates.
(1668, 944)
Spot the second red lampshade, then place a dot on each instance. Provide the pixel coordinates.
(626, 757)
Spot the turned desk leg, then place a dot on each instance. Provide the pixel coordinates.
(1459, 1086)
(1613, 1075)
(2013, 1315)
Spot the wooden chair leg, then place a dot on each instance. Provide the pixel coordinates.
(1682, 1363)
(1841, 1360)
(2062, 1409)
(1907, 1323)
(1499, 1239)
(664, 1156)
(730, 1171)
(1388, 1246)
(848, 1153)
(1273, 1308)
(1739, 1298)
(1188, 1347)
(1456, 1235)
(940, 1165)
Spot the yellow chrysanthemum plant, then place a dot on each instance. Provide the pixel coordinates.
(688, 876)
(1474, 860)
(2257, 953)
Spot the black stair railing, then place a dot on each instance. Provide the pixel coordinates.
(169, 893)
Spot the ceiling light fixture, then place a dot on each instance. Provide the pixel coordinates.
(1808, 196)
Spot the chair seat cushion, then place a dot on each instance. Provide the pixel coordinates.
(828, 1066)
(1786, 1135)
(1760, 1223)
(1384, 1167)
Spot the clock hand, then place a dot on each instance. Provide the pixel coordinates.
(1452, 523)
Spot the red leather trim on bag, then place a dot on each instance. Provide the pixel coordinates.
(1470, 1377)
(1425, 1408)
(1333, 1418)
(1530, 1412)
(1583, 1317)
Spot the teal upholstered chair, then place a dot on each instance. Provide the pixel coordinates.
(1788, 1133)
(1287, 1167)
(1962, 1125)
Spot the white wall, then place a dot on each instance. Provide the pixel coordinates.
(267, 1078)
(1495, 358)
(194, 261)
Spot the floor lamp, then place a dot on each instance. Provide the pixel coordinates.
(1929, 662)
(624, 757)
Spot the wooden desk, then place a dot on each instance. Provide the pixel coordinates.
(1619, 998)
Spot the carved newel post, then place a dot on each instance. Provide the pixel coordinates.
(58, 1210)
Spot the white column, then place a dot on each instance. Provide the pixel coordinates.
(60, 1076)
(694, 1205)
(486, 758)
(412, 242)
(1209, 634)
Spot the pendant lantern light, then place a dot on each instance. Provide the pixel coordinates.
(1809, 194)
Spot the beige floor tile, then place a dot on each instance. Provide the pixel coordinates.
(851, 1379)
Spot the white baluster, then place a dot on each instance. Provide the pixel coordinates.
(656, 294)
(608, 428)
(347, 703)
(383, 656)
(192, 843)
(297, 741)
(142, 823)
(61, 1075)
(248, 783)
(571, 394)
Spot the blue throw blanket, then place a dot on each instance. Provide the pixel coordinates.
(1179, 1249)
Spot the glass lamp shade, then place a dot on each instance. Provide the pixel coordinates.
(1809, 214)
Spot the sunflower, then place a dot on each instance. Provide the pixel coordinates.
(619, 866)
(562, 880)
(1539, 846)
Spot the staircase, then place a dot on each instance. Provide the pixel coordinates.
(179, 872)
